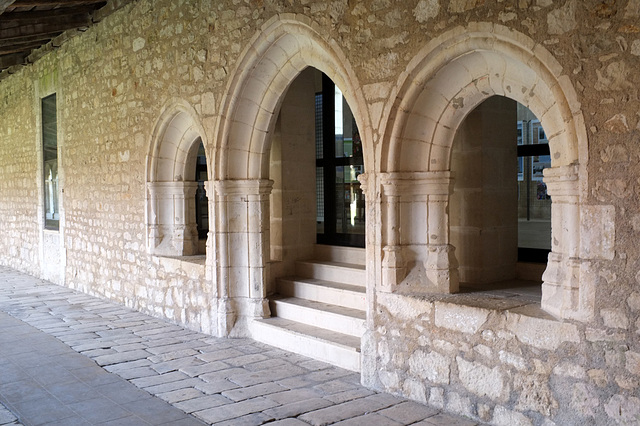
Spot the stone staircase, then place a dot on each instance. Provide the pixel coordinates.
(320, 312)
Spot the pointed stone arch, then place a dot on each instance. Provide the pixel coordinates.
(283, 47)
(450, 77)
(170, 177)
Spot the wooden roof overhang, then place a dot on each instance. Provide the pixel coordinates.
(30, 28)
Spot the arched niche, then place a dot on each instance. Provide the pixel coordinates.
(171, 182)
(448, 79)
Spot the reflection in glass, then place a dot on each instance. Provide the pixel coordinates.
(349, 200)
(50, 162)
(534, 204)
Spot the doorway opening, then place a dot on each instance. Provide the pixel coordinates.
(500, 210)
(339, 162)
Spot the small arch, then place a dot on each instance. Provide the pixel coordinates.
(171, 182)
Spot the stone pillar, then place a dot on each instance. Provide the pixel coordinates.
(217, 304)
(243, 247)
(409, 192)
(560, 287)
(441, 264)
(393, 267)
(171, 220)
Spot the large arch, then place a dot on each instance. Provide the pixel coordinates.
(450, 77)
(170, 177)
(282, 48)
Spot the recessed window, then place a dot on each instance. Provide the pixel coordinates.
(50, 162)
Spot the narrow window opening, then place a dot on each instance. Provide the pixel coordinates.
(50, 162)
(339, 162)
(202, 202)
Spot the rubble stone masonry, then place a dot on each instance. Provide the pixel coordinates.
(411, 71)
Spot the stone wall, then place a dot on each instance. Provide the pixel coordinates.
(231, 62)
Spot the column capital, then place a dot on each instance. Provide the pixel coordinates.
(172, 189)
(243, 186)
(417, 183)
(562, 181)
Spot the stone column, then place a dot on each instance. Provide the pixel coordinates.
(393, 267)
(408, 191)
(441, 264)
(560, 287)
(212, 262)
(171, 218)
(243, 246)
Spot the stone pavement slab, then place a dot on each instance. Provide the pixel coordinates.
(68, 358)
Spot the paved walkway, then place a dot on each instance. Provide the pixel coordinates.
(67, 358)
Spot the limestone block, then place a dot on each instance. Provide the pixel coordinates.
(617, 153)
(597, 232)
(464, 319)
(542, 333)
(535, 394)
(617, 124)
(431, 366)
(570, 370)
(584, 399)
(426, 9)
(376, 91)
(415, 390)
(459, 404)
(633, 362)
(459, 6)
(436, 397)
(634, 299)
(404, 308)
(512, 359)
(628, 383)
(563, 19)
(208, 103)
(615, 76)
(482, 380)
(483, 350)
(446, 347)
(615, 318)
(599, 377)
(623, 409)
(505, 417)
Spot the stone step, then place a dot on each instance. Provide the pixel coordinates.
(317, 290)
(352, 255)
(338, 349)
(331, 317)
(340, 272)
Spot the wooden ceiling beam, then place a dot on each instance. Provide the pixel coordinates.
(26, 48)
(43, 38)
(35, 17)
(48, 26)
(60, 3)
(4, 4)
(7, 61)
